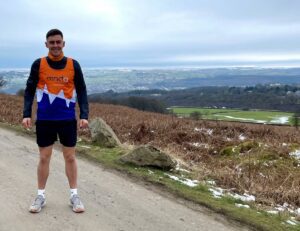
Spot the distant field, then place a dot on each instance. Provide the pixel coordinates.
(255, 116)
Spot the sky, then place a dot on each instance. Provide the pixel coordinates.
(132, 33)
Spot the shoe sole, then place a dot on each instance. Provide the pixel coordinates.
(39, 210)
(77, 210)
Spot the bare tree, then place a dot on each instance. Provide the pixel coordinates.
(2, 82)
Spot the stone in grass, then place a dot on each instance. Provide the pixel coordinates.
(149, 156)
(102, 134)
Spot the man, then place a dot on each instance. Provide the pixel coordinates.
(56, 80)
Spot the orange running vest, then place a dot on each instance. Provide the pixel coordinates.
(56, 92)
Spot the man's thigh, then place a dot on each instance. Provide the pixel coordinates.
(67, 133)
(46, 133)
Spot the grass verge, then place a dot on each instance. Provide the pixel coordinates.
(258, 220)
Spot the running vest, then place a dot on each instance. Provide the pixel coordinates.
(56, 95)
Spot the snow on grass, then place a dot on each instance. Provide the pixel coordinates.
(290, 222)
(211, 182)
(295, 154)
(217, 192)
(188, 182)
(178, 168)
(244, 119)
(198, 145)
(280, 120)
(242, 206)
(150, 172)
(284, 208)
(84, 146)
(205, 130)
(245, 197)
(242, 137)
(272, 212)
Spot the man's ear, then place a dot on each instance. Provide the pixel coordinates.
(46, 44)
(64, 43)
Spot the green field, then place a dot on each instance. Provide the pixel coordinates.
(255, 116)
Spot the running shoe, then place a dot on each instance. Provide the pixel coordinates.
(76, 204)
(38, 204)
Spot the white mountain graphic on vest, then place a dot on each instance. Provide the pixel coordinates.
(52, 97)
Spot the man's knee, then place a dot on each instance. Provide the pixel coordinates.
(70, 158)
(45, 154)
(69, 154)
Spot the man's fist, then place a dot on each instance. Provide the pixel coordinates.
(26, 122)
(83, 123)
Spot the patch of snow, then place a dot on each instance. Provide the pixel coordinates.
(295, 154)
(183, 170)
(208, 131)
(298, 211)
(180, 169)
(280, 208)
(150, 172)
(280, 120)
(244, 197)
(242, 206)
(262, 175)
(290, 222)
(188, 182)
(244, 119)
(217, 192)
(211, 182)
(84, 146)
(284, 144)
(272, 212)
(199, 145)
(242, 137)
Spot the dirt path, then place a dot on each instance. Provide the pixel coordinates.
(112, 202)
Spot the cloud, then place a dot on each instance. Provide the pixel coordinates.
(137, 30)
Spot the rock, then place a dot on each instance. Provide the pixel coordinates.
(103, 135)
(149, 156)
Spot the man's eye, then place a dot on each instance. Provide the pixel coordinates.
(57, 42)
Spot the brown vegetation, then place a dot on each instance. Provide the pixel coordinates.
(239, 156)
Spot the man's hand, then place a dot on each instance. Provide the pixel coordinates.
(26, 122)
(83, 123)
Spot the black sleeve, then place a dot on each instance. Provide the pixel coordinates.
(81, 91)
(31, 88)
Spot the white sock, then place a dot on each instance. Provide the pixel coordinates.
(73, 191)
(41, 192)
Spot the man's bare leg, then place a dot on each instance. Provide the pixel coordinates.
(70, 166)
(42, 175)
(43, 167)
(71, 172)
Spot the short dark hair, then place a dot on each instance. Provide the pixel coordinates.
(53, 32)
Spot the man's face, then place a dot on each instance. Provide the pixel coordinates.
(55, 45)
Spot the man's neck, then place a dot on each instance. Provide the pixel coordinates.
(56, 58)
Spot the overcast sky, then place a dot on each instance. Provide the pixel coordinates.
(124, 33)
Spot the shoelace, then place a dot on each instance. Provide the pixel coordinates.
(38, 200)
(75, 200)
